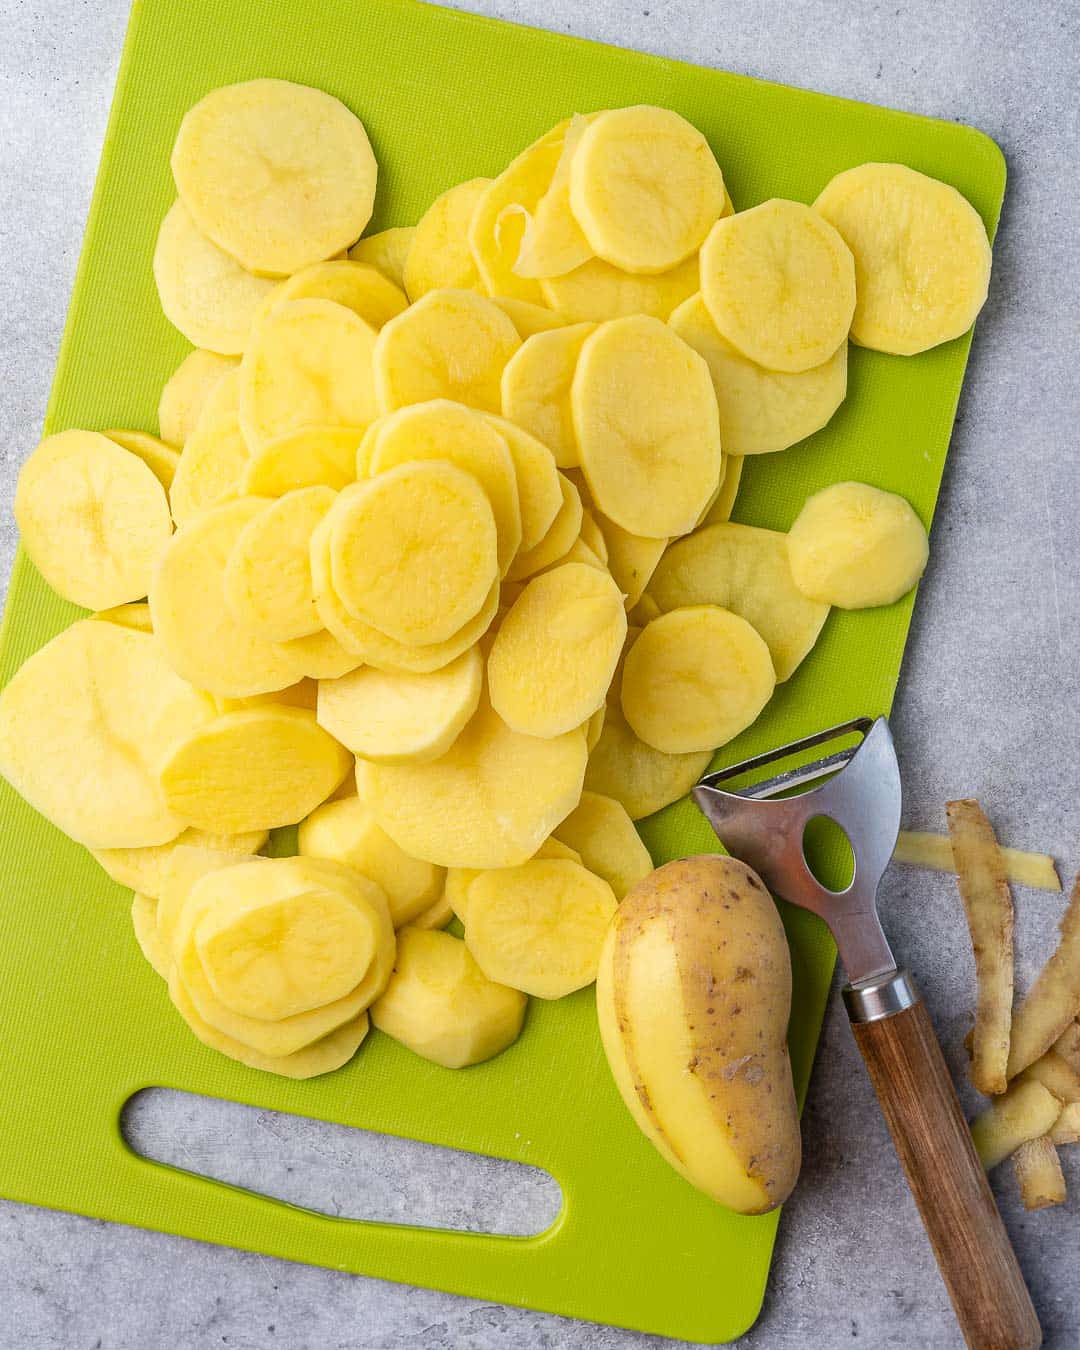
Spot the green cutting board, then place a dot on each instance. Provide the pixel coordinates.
(85, 1022)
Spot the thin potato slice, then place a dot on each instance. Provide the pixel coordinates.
(592, 536)
(631, 558)
(536, 388)
(539, 493)
(180, 871)
(539, 927)
(321, 656)
(388, 250)
(602, 833)
(144, 922)
(1025, 1112)
(596, 291)
(439, 254)
(1038, 1174)
(1053, 1001)
(279, 175)
(554, 243)
(647, 428)
(358, 286)
(528, 318)
(459, 879)
(779, 283)
(920, 848)
(451, 344)
(722, 507)
(641, 779)
(214, 460)
(187, 390)
(307, 457)
(159, 458)
(93, 518)
(593, 727)
(135, 616)
(144, 869)
(436, 916)
(559, 539)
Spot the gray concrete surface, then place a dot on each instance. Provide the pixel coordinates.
(988, 705)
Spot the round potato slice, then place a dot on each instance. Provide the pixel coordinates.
(539, 927)
(645, 188)
(528, 318)
(279, 175)
(159, 458)
(143, 869)
(779, 284)
(555, 653)
(204, 292)
(451, 344)
(144, 922)
(536, 388)
(761, 410)
(93, 518)
(186, 390)
(358, 286)
(922, 258)
(267, 578)
(596, 291)
(84, 725)
(215, 457)
(490, 801)
(309, 364)
(855, 546)
(538, 490)
(642, 779)
(694, 679)
(387, 250)
(607, 843)
(397, 717)
(647, 427)
(439, 254)
(306, 457)
(413, 551)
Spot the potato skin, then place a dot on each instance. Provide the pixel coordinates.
(693, 998)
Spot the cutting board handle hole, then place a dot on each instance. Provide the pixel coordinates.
(339, 1170)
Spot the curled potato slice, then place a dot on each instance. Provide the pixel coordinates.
(527, 317)
(159, 458)
(553, 242)
(539, 494)
(439, 254)
(215, 457)
(186, 391)
(387, 250)
(357, 286)
(642, 779)
(645, 188)
(143, 869)
(596, 291)
(306, 457)
(604, 837)
(647, 426)
(93, 518)
(277, 174)
(761, 410)
(694, 679)
(144, 922)
(536, 388)
(559, 539)
(922, 258)
(450, 344)
(779, 283)
(555, 653)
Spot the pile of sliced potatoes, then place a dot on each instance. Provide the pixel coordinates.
(433, 554)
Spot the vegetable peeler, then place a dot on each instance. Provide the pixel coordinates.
(763, 824)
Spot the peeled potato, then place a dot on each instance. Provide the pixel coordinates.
(746, 570)
(631, 558)
(144, 922)
(642, 779)
(93, 518)
(647, 427)
(358, 286)
(559, 539)
(539, 493)
(388, 250)
(215, 457)
(451, 344)
(761, 410)
(602, 833)
(855, 546)
(779, 284)
(439, 254)
(143, 869)
(528, 317)
(459, 879)
(135, 616)
(440, 1005)
(536, 388)
(922, 258)
(436, 916)
(159, 458)
(186, 391)
(306, 457)
(539, 927)
(596, 291)
(279, 175)
(553, 242)
(555, 652)
(180, 870)
(645, 188)
(721, 509)
(397, 717)
(321, 656)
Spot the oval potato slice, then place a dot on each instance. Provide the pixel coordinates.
(306, 457)
(186, 391)
(439, 253)
(642, 779)
(387, 250)
(215, 456)
(159, 458)
(536, 388)
(604, 837)
(538, 490)
(596, 291)
(143, 869)
(559, 539)
(357, 286)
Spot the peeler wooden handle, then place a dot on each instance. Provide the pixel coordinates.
(894, 1033)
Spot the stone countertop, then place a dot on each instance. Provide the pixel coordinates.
(988, 706)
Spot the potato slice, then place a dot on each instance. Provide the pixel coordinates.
(84, 724)
(779, 284)
(631, 558)
(596, 291)
(528, 318)
(441, 430)
(204, 292)
(187, 390)
(1038, 1174)
(144, 922)
(559, 539)
(279, 175)
(413, 551)
(855, 546)
(1056, 1074)
(306, 457)
(144, 869)
(539, 927)
(180, 870)
(921, 848)
(1053, 1001)
(593, 727)
(135, 616)
(388, 250)
(358, 286)
(554, 243)
(439, 255)
(592, 536)
(214, 461)
(539, 493)
(555, 653)
(1066, 1129)
(720, 511)
(322, 657)
(746, 570)
(309, 364)
(761, 410)
(201, 640)
(604, 837)
(1025, 1112)
(922, 258)
(646, 424)
(459, 879)
(396, 717)
(641, 779)
(490, 801)
(440, 1005)
(645, 188)
(536, 388)
(451, 344)
(267, 579)
(93, 518)
(159, 458)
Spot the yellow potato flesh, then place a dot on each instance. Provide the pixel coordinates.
(180, 870)
(254, 769)
(779, 284)
(539, 927)
(459, 879)
(855, 546)
(746, 570)
(436, 916)
(215, 457)
(439, 253)
(440, 1005)
(451, 344)
(159, 458)
(397, 717)
(721, 509)
(602, 833)
(555, 653)
(538, 490)
(922, 258)
(321, 657)
(357, 286)
(267, 579)
(135, 616)
(144, 869)
(642, 779)
(645, 188)
(279, 175)
(306, 457)
(553, 242)
(647, 427)
(536, 388)
(631, 558)
(761, 410)
(388, 250)
(144, 922)
(186, 391)
(559, 539)
(596, 291)
(93, 518)
(84, 725)
(528, 318)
